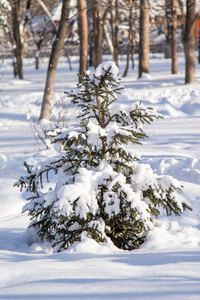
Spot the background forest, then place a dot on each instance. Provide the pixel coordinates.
(94, 28)
(97, 27)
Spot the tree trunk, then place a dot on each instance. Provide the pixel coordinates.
(18, 67)
(53, 61)
(132, 54)
(189, 42)
(174, 37)
(108, 40)
(115, 38)
(90, 33)
(144, 38)
(37, 54)
(97, 34)
(130, 38)
(83, 36)
(168, 28)
(199, 47)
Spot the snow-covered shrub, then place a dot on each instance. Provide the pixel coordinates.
(100, 189)
(60, 111)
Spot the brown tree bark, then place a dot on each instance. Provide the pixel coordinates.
(90, 33)
(189, 42)
(199, 47)
(174, 37)
(168, 28)
(53, 61)
(97, 34)
(18, 64)
(130, 37)
(108, 39)
(144, 38)
(99, 15)
(83, 36)
(116, 31)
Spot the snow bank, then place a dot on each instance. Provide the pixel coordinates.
(167, 265)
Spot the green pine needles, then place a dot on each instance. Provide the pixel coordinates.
(99, 188)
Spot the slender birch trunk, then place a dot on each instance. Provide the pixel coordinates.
(144, 38)
(189, 42)
(53, 61)
(83, 36)
(174, 37)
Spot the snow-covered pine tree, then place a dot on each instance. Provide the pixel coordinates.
(101, 189)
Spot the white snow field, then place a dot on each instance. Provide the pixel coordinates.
(167, 266)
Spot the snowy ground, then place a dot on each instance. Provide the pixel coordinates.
(167, 266)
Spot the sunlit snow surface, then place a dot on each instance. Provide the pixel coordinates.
(167, 266)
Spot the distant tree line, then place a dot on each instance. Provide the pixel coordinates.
(97, 27)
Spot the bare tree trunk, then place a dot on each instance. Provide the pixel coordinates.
(18, 65)
(174, 38)
(132, 54)
(115, 39)
(28, 14)
(83, 36)
(53, 61)
(108, 39)
(133, 41)
(168, 29)
(90, 33)
(97, 34)
(37, 54)
(99, 16)
(114, 24)
(130, 38)
(199, 47)
(189, 42)
(13, 45)
(144, 38)
(38, 43)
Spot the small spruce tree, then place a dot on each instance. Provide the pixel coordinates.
(101, 189)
